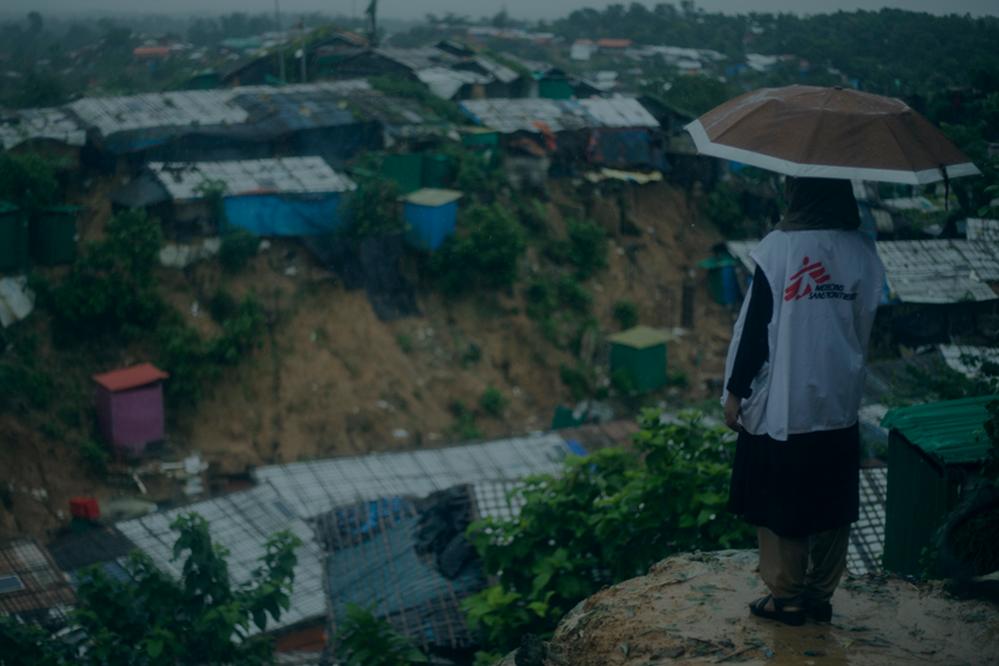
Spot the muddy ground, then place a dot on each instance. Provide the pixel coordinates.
(692, 609)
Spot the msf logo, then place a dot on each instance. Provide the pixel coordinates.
(806, 280)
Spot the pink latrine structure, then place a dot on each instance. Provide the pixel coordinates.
(130, 407)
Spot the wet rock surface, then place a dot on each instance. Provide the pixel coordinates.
(692, 609)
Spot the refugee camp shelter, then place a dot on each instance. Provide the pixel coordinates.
(32, 588)
(241, 522)
(14, 255)
(130, 407)
(52, 132)
(53, 235)
(432, 215)
(408, 561)
(291, 196)
(640, 355)
(934, 452)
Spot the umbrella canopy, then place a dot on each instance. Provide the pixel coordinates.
(812, 132)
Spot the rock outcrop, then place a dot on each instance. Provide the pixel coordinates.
(692, 609)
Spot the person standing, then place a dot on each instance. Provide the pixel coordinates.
(794, 379)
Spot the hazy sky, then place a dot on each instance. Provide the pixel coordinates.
(532, 9)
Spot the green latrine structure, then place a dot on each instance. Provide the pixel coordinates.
(53, 236)
(479, 137)
(436, 170)
(13, 239)
(933, 451)
(640, 353)
(406, 169)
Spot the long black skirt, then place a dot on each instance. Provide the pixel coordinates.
(803, 486)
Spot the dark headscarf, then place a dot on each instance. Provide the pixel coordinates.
(819, 203)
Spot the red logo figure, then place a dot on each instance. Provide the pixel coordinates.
(801, 283)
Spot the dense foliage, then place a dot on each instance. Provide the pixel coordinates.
(28, 181)
(364, 640)
(373, 209)
(152, 619)
(484, 252)
(110, 289)
(607, 518)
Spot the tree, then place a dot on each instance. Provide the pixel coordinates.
(153, 619)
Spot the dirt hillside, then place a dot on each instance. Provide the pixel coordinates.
(330, 378)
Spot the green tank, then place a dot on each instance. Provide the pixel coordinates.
(53, 236)
(13, 239)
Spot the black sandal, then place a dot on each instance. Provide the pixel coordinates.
(820, 611)
(795, 618)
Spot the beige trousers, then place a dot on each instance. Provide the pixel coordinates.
(808, 569)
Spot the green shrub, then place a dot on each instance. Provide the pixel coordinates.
(540, 297)
(364, 640)
(236, 249)
(405, 343)
(471, 355)
(464, 426)
(373, 209)
(572, 295)
(578, 381)
(110, 288)
(23, 385)
(28, 181)
(483, 254)
(222, 306)
(626, 314)
(587, 247)
(395, 86)
(623, 383)
(492, 402)
(473, 172)
(724, 209)
(607, 518)
(94, 456)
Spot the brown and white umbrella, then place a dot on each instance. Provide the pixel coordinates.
(812, 132)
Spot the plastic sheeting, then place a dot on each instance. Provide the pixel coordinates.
(273, 215)
(16, 300)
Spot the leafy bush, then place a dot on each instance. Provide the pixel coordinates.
(572, 295)
(492, 402)
(395, 86)
(213, 192)
(364, 640)
(238, 246)
(28, 181)
(150, 617)
(405, 342)
(372, 209)
(626, 314)
(724, 209)
(464, 426)
(110, 288)
(23, 385)
(483, 254)
(193, 362)
(577, 381)
(585, 248)
(95, 458)
(607, 518)
(473, 172)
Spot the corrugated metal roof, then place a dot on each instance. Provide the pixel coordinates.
(640, 337)
(170, 109)
(618, 112)
(32, 124)
(940, 271)
(445, 83)
(419, 58)
(132, 377)
(967, 359)
(288, 175)
(429, 196)
(982, 230)
(34, 582)
(951, 431)
(317, 486)
(513, 115)
(241, 522)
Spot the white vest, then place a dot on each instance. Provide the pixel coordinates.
(826, 285)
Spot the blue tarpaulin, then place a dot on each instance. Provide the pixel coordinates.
(276, 215)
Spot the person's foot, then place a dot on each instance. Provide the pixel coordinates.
(788, 611)
(820, 611)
